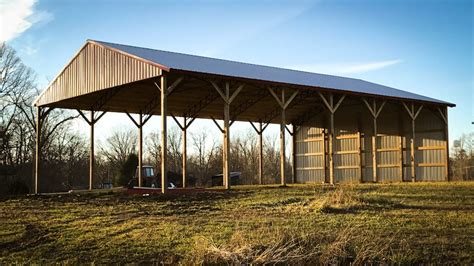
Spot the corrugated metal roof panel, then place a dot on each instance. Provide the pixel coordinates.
(222, 67)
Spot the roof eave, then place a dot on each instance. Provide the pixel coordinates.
(312, 87)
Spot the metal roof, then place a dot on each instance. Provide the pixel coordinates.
(207, 65)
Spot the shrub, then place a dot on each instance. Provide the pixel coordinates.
(127, 170)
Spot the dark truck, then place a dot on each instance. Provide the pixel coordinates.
(149, 178)
(218, 180)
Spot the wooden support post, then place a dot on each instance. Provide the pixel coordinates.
(359, 143)
(400, 146)
(140, 149)
(185, 153)
(412, 152)
(444, 117)
(37, 149)
(184, 128)
(283, 105)
(91, 151)
(139, 124)
(165, 90)
(374, 152)
(332, 109)
(331, 146)
(293, 154)
(413, 114)
(91, 121)
(228, 99)
(164, 133)
(260, 154)
(259, 131)
(226, 147)
(323, 143)
(375, 111)
(282, 144)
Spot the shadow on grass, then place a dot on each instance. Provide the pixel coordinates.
(32, 236)
(385, 204)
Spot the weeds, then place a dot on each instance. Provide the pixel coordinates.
(351, 245)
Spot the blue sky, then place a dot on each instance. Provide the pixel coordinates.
(425, 47)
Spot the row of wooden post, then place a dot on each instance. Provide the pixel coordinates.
(228, 98)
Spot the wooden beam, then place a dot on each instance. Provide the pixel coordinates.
(413, 114)
(236, 92)
(260, 154)
(133, 120)
(91, 152)
(184, 170)
(446, 136)
(226, 146)
(173, 86)
(323, 148)
(293, 155)
(260, 149)
(282, 148)
(217, 124)
(283, 103)
(292, 97)
(443, 116)
(325, 101)
(164, 134)
(339, 103)
(223, 96)
(375, 111)
(37, 149)
(177, 122)
(412, 147)
(84, 117)
(228, 99)
(359, 143)
(332, 138)
(140, 148)
(374, 151)
(331, 148)
(100, 116)
(277, 99)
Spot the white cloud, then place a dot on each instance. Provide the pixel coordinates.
(346, 68)
(18, 16)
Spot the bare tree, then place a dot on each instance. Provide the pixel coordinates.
(18, 118)
(206, 157)
(119, 146)
(462, 162)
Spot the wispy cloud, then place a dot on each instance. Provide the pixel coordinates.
(346, 68)
(18, 16)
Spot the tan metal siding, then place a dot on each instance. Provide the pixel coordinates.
(393, 147)
(431, 148)
(93, 69)
(309, 155)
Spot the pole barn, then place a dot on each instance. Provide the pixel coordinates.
(343, 129)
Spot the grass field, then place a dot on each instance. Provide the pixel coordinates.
(394, 223)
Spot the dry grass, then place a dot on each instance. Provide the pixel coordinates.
(301, 224)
